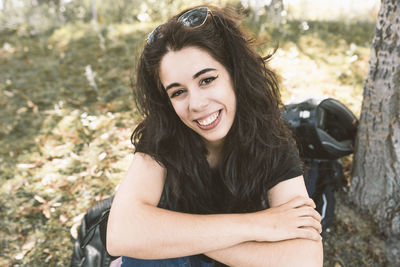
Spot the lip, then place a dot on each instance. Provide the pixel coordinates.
(213, 124)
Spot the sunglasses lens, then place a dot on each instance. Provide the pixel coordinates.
(194, 18)
(154, 34)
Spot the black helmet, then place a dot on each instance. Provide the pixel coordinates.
(323, 129)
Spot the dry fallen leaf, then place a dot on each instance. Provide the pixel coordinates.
(74, 230)
(48, 258)
(63, 218)
(26, 165)
(39, 199)
(102, 156)
(29, 244)
(19, 256)
(46, 211)
(77, 222)
(22, 110)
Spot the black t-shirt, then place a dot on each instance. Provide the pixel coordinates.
(288, 166)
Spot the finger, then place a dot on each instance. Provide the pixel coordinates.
(317, 216)
(308, 211)
(308, 233)
(310, 222)
(301, 201)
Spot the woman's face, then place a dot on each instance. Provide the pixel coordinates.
(201, 92)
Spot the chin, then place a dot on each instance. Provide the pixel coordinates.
(215, 138)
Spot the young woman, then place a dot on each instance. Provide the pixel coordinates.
(215, 171)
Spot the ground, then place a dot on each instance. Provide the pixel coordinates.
(354, 239)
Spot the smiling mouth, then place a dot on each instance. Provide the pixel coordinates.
(210, 121)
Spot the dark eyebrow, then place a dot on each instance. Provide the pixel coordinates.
(202, 72)
(194, 77)
(172, 85)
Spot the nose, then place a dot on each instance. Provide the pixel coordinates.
(198, 100)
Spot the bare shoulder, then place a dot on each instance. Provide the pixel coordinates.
(144, 181)
(143, 165)
(145, 159)
(141, 187)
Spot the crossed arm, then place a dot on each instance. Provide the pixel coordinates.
(289, 252)
(285, 235)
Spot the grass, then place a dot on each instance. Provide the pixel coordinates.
(321, 59)
(64, 141)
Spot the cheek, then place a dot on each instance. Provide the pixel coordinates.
(234, 106)
(229, 93)
(231, 97)
(179, 110)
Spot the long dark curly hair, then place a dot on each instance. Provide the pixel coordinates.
(256, 142)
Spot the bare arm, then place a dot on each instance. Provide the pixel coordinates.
(138, 228)
(294, 252)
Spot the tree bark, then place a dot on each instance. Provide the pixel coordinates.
(375, 185)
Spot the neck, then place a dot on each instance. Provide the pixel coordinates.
(214, 153)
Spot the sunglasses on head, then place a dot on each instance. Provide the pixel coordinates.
(193, 18)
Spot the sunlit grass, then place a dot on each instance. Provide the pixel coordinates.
(322, 59)
(314, 72)
(64, 145)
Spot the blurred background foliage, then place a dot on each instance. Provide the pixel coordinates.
(66, 110)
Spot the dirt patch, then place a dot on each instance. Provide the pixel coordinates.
(355, 240)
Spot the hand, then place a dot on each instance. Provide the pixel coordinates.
(296, 218)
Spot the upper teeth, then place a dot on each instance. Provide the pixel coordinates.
(210, 119)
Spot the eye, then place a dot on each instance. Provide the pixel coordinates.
(208, 80)
(177, 93)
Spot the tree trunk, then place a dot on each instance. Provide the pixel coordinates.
(375, 185)
(272, 9)
(274, 12)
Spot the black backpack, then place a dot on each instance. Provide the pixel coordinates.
(89, 247)
(324, 131)
(323, 178)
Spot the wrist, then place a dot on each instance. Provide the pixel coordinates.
(245, 226)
